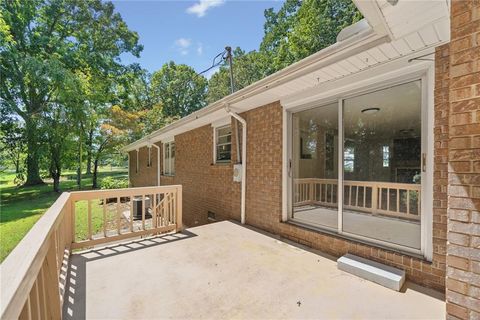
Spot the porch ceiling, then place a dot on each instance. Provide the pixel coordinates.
(224, 270)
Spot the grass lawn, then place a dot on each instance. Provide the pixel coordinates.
(21, 207)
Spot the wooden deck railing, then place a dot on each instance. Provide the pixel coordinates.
(32, 274)
(393, 199)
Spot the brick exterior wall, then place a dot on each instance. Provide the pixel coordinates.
(206, 186)
(463, 249)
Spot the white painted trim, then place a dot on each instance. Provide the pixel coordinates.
(158, 162)
(222, 122)
(285, 163)
(169, 173)
(428, 86)
(129, 168)
(215, 130)
(168, 139)
(340, 167)
(137, 164)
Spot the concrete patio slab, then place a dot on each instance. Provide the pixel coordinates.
(225, 270)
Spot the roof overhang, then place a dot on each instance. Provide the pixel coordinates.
(383, 42)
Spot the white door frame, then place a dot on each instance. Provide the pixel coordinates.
(421, 71)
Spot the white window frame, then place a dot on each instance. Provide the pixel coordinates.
(424, 72)
(215, 142)
(168, 163)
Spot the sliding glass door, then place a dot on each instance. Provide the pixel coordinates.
(379, 170)
(315, 166)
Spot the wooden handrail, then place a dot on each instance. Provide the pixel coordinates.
(20, 270)
(31, 272)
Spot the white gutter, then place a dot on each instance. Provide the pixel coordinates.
(158, 160)
(244, 160)
(128, 154)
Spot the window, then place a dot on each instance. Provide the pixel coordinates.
(348, 159)
(223, 144)
(169, 158)
(386, 156)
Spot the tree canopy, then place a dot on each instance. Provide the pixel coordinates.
(68, 101)
(179, 89)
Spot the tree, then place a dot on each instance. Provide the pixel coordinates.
(179, 89)
(301, 28)
(247, 68)
(12, 142)
(117, 125)
(44, 41)
(317, 24)
(276, 31)
(155, 119)
(56, 130)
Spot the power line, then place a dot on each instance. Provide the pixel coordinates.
(214, 62)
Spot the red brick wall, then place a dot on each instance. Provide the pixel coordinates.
(463, 249)
(206, 186)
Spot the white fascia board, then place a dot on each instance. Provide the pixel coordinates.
(222, 122)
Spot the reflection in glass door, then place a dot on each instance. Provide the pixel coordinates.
(315, 166)
(380, 151)
(382, 142)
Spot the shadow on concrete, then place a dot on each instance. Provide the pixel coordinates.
(74, 287)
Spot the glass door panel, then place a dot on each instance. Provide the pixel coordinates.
(315, 166)
(382, 164)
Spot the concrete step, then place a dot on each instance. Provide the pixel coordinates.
(386, 276)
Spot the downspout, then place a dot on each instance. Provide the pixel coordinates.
(158, 161)
(129, 168)
(244, 160)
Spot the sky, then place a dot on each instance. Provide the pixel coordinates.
(192, 32)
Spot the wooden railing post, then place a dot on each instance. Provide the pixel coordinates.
(52, 287)
(179, 209)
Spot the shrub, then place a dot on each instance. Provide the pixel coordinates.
(113, 183)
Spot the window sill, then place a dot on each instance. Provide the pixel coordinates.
(167, 175)
(353, 239)
(221, 164)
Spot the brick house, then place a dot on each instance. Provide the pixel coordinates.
(370, 146)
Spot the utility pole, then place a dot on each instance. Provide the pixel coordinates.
(230, 62)
(229, 57)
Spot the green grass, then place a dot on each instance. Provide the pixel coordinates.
(21, 207)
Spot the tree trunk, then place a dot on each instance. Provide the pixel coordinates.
(79, 169)
(56, 183)
(33, 170)
(17, 166)
(89, 151)
(94, 176)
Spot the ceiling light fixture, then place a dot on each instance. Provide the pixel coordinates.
(370, 110)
